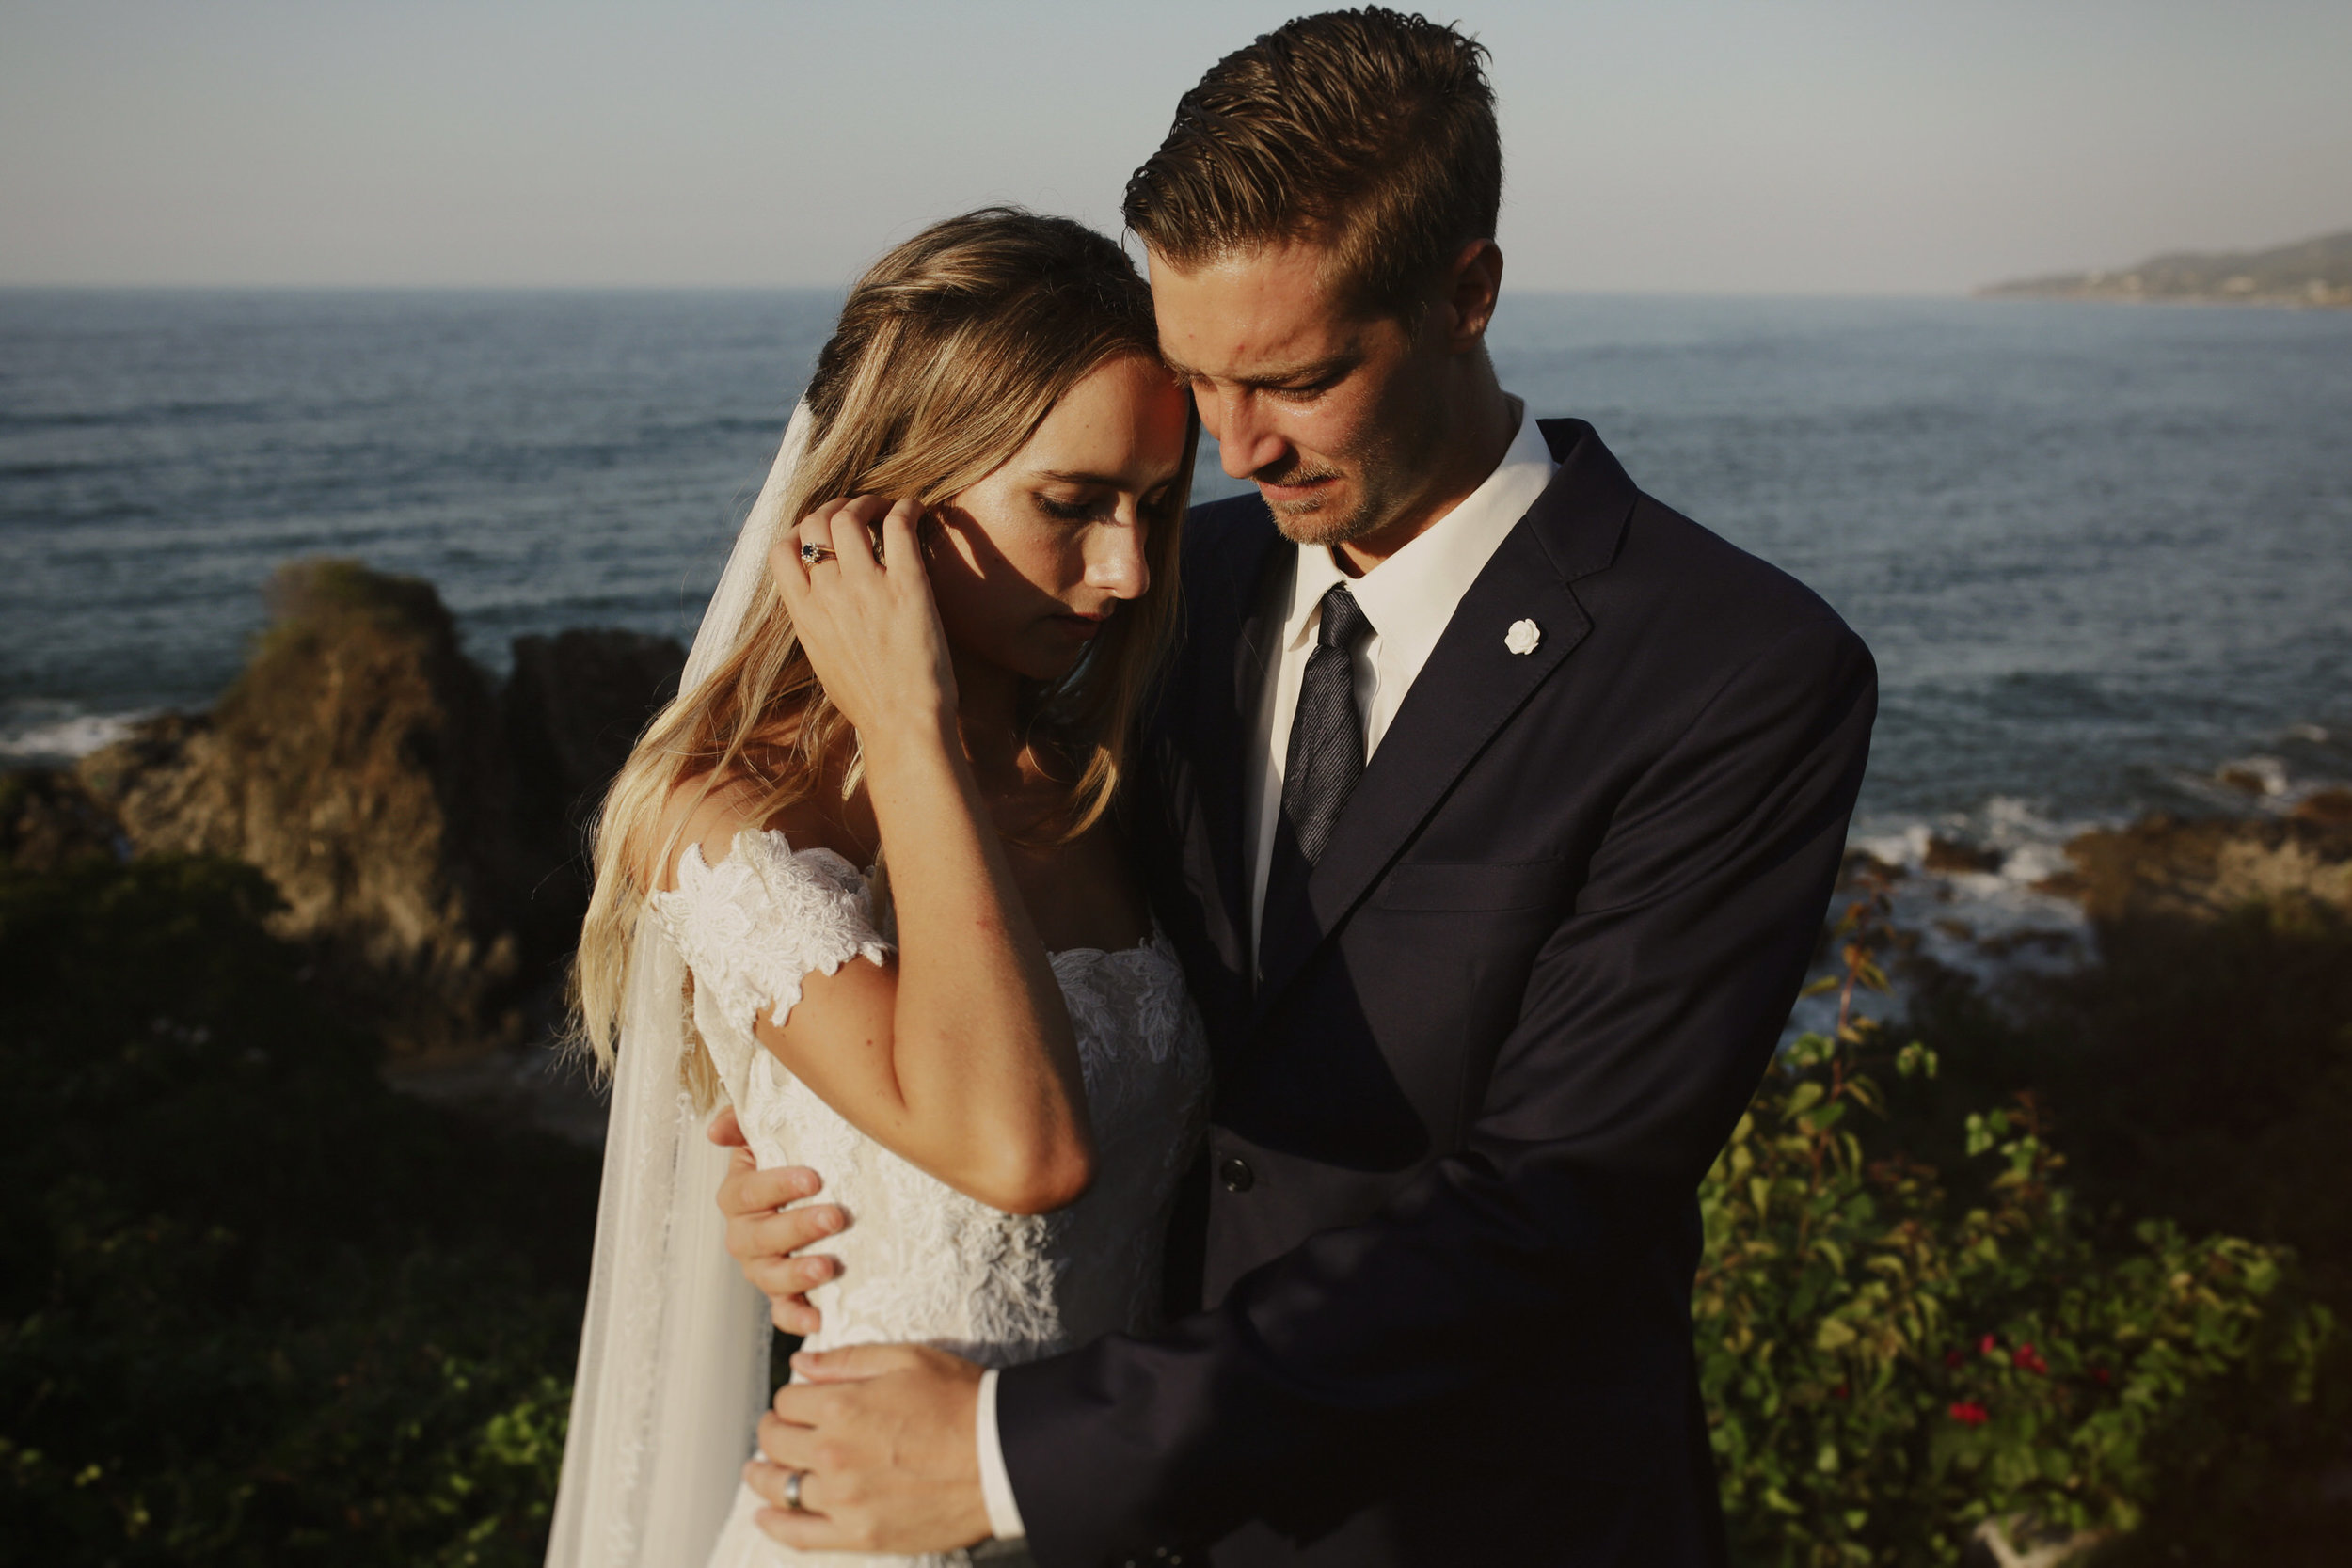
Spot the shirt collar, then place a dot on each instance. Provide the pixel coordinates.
(1410, 596)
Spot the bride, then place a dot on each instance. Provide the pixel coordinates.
(979, 1037)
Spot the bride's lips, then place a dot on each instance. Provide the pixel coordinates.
(1083, 627)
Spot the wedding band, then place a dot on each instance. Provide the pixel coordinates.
(813, 552)
(792, 1490)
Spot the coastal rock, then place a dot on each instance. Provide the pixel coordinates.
(2168, 868)
(360, 762)
(48, 821)
(425, 831)
(573, 709)
(2327, 807)
(1946, 856)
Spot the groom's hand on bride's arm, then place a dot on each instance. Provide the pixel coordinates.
(764, 1237)
(885, 1436)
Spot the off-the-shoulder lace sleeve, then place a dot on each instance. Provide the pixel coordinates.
(752, 927)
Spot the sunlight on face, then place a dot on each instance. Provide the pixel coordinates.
(1334, 415)
(1033, 559)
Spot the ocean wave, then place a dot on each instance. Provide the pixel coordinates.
(1966, 893)
(34, 737)
(1980, 893)
(2265, 783)
(1974, 890)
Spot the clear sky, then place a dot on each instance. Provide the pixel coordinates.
(1733, 146)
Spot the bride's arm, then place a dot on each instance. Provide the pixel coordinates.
(958, 1054)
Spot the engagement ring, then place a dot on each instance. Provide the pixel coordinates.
(812, 552)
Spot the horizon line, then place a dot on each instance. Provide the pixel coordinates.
(314, 288)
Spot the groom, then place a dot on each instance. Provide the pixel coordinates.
(1494, 807)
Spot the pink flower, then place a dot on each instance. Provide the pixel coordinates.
(1968, 1413)
(2025, 1360)
(1987, 1345)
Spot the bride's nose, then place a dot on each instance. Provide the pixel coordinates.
(1115, 561)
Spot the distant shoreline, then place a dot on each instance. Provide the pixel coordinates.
(2026, 292)
(2314, 273)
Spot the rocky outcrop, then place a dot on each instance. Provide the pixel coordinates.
(357, 761)
(48, 821)
(2167, 868)
(572, 710)
(421, 830)
(2327, 807)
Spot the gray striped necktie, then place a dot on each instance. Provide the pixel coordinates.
(1326, 755)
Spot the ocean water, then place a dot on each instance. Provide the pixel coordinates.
(2100, 551)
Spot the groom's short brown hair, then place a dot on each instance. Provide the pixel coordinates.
(1367, 131)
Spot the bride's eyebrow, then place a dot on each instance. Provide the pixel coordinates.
(1107, 481)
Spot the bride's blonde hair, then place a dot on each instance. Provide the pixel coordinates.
(949, 353)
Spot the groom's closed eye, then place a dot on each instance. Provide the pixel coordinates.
(1307, 391)
(1287, 381)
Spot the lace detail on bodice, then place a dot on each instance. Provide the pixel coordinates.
(921, 1262)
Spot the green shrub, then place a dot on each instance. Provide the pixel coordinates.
(1888, 1361)
(254, 1307)
(2200, 1072)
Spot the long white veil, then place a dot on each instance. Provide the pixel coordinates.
(674, 1349)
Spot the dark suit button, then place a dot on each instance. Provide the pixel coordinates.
(1238, 1175)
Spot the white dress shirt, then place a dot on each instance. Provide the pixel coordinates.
(1409, 598)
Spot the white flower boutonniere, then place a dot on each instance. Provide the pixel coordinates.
(1522, 637)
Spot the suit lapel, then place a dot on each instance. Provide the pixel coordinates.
(1468, 691)
(1470, 688)
(1235, 620)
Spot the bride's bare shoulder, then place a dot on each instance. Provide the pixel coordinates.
(710, 811)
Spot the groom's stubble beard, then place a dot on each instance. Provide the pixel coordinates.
(1382, 475)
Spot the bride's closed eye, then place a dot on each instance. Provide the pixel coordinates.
(1156, 507)
(1071, 511)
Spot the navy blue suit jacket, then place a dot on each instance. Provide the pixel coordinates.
(1444, 1240)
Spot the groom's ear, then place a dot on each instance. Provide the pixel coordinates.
(1471, 284)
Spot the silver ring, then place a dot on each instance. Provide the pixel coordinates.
(792, 1490)
(813, 552)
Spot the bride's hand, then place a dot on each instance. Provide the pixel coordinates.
(870, 627)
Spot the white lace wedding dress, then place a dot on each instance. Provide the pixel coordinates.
(921, 1263)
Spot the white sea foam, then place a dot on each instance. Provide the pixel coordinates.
(2261, 783)
(1979, 910)
(34, 736)
(1986, 906)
